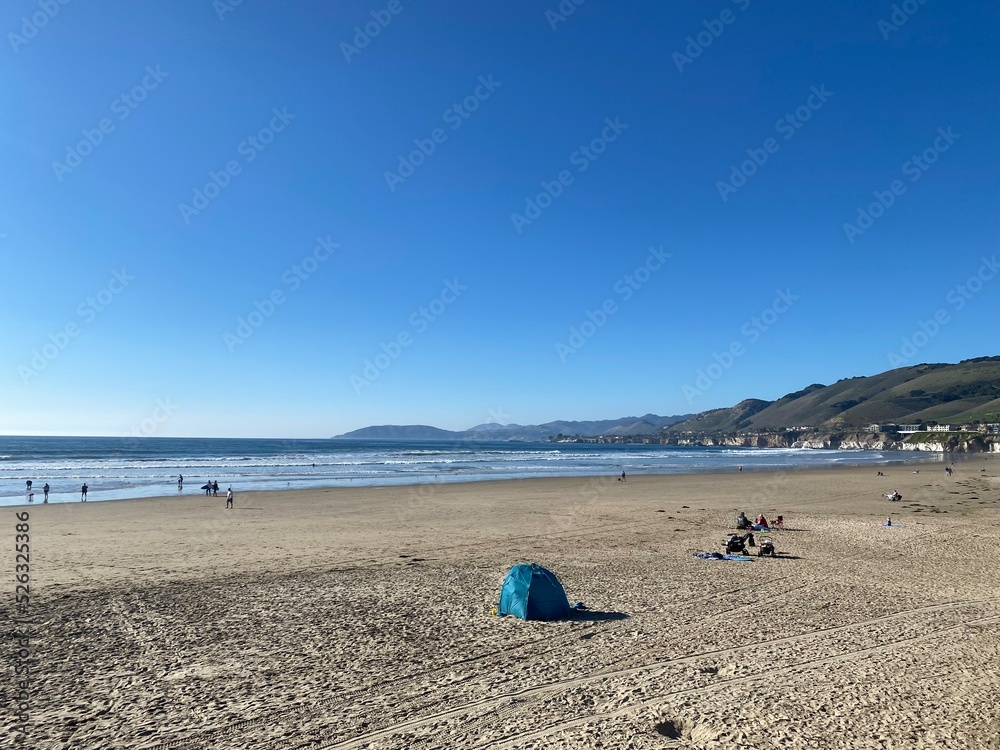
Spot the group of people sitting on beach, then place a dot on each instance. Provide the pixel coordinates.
(761, 524)
(737, 544)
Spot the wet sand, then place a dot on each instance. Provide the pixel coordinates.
(361, 617)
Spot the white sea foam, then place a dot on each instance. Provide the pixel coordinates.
(116, 468)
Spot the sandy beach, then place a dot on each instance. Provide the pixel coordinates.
(361, 618)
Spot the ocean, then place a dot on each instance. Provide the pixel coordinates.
(120, 468)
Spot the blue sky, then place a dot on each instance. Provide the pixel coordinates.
(294, 220)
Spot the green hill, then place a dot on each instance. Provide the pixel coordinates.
(968, 391)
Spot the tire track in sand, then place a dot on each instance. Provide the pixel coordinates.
(547, 642)
(791, 668)
(558, 685)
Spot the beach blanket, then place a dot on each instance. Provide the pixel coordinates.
(721, 556)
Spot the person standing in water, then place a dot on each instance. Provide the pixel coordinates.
(180, 481)
(45, 489)
(83, 493)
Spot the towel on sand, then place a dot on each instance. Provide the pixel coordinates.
(721, 556)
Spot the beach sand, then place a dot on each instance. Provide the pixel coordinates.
(361, 618)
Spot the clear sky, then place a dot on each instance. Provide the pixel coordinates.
(296, 219)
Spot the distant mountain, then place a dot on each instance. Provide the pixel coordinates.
(946, 393)
(401, 432)
(645, 425)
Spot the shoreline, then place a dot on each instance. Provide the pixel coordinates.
(910, 459)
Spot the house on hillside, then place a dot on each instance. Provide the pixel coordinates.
(993, 428)
(908, 429)
(941, 428)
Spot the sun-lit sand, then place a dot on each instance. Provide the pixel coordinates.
(361, 618)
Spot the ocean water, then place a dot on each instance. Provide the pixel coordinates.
(119, 468)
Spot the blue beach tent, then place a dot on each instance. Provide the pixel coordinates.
(533, 593)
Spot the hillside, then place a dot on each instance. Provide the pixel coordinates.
(731, 419)
(942, 393)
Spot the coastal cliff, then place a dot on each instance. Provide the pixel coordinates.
(878, 441)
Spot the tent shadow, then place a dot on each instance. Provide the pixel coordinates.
(586, 615)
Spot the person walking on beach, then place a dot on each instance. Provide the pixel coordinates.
(28, 484)
(623, 476)
(45, 489)
(208, 488)
(215, 489)
(229, 498)
(83, 493)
